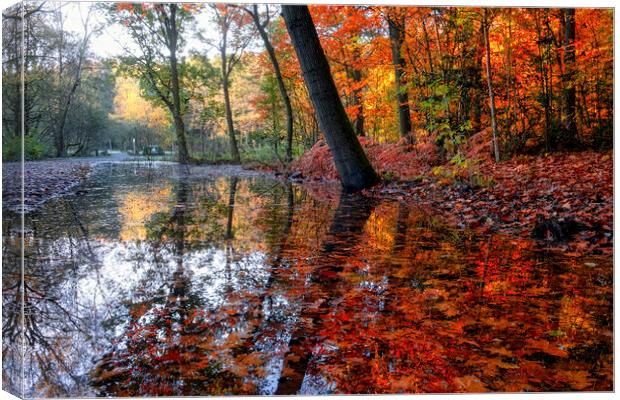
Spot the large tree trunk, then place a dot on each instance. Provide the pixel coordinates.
(353, 166)
(396, 28)
(179, 125)
(283, 93)
(569, 95)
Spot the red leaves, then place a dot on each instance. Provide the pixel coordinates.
(125, 7)
(576, 186)
(399, 160)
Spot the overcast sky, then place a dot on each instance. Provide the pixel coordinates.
(111, 41)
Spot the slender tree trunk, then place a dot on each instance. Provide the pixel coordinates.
(230, 127)
(569, 92)
(358, 101)
(283, 93)
(231, 207)
(544, 93)
(478, 96)
(396, 28)
(427, 47)
(234, 149)
(353, 166)
(177, 113)
(490, 84)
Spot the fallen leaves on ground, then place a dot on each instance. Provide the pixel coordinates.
(559, 186)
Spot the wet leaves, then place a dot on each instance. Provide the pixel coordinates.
(43, 180)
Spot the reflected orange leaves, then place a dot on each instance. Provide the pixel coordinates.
(383, 298)
(437, 313)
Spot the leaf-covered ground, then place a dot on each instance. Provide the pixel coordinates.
(564, 199)
(43, 180)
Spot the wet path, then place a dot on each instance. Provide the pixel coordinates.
(147, 281)
(46, 179)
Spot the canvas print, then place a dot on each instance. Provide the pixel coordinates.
(205, 199)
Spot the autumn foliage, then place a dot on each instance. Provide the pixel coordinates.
(399, 159)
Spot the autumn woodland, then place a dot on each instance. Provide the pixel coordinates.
(215, 198)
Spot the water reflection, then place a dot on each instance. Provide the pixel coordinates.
(151, 282)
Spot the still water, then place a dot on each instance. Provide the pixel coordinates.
(147, 282)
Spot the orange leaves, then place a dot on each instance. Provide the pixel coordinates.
(125, 7)
(578, 380)
(471, 384)
(546, 347)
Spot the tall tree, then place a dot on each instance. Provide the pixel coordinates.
(353, 166)
(233, 40)
(69, 89)
(261, 26)
(569, 92)
(154, 27)
(396, 26)
(485, 25)
(21, 24)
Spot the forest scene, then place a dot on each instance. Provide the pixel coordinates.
(207, 199)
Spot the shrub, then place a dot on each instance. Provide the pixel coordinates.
(462, 170)
(12, 149)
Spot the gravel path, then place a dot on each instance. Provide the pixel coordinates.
(46, 179)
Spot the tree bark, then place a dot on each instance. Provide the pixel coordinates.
(490, 84)
(283, 93)
(179, 125)
(234, 149)
(353, 166)
(396, 27)
(358, 101)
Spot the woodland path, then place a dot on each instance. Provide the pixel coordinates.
(46, 179)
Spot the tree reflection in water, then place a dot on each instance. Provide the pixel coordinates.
(156, 283)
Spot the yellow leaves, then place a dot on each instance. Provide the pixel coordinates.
(131, 107)
(572, 315)
(136, 208)
(379, 228)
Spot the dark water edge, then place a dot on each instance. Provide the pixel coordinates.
(147, 281)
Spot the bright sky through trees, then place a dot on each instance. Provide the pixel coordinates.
(111, 40)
